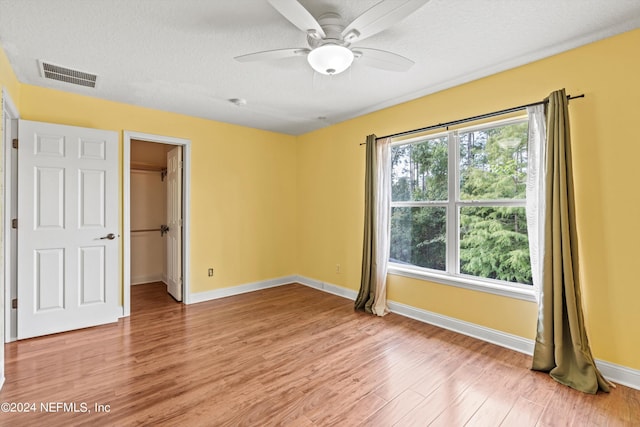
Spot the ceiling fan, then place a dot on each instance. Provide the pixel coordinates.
(330, 41)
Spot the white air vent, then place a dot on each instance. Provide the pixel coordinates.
(56, 72)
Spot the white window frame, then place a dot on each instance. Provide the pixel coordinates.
(452, 275)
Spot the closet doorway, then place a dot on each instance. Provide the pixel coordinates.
(155, 214)
(152, 255)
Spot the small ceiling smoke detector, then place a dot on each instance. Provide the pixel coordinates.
(238, 102)
(67, 75)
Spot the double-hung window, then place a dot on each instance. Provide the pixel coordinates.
(458, 206)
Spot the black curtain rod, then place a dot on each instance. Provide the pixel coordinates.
(471, 119)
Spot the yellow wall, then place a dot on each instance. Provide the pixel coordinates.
(8, 79)
(243, 192)
(330, 187)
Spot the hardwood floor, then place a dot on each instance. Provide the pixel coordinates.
(290, 356)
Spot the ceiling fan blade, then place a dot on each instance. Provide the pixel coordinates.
(382, 59)
(269, 55)
(380, 17)
(298, 16)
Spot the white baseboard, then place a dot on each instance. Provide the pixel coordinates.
(2, 382)
(328, 287)
(148, 278)
(619, 374)
(241, 289)
(483, 333)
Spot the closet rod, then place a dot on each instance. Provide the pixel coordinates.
(470, 119)
(146, 229)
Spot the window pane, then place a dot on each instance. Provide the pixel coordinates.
(418, 236)
(493, 163)
(419, 171)
(494, 243)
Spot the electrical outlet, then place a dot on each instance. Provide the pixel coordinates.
(211, 272)
(338, 269)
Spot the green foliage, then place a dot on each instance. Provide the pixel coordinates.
(493, 239)
(493, 163)
(418, 236)
(420, 171)
(494, 243)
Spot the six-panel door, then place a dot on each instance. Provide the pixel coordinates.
(67, 228)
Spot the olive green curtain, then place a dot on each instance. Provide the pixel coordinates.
(372, 296)
(561, 346)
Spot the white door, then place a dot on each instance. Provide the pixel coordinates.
(174, 222)
(68, 265)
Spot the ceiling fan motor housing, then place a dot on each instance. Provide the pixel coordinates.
(332, 25)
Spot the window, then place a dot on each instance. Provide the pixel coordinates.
(458, 205)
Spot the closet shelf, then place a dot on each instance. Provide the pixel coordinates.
(147, 167)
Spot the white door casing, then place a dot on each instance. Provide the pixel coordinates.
(174, 222)
(68, 248)
(127, 137)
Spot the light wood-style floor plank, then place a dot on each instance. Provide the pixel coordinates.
(286, 356)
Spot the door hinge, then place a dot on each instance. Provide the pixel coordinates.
(15, 143)
(14, 303)
(14, 223)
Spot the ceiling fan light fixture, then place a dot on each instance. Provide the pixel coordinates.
(330, 59)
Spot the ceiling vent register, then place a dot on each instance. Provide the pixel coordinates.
(67, 75)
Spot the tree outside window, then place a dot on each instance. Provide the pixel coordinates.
(474, 226)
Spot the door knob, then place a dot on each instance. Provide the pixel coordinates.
(109, 236)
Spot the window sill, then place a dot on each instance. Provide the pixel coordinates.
(465, 283)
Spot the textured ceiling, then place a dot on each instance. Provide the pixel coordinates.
(177, 55)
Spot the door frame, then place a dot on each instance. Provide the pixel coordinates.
(9, 197)
(126, 194)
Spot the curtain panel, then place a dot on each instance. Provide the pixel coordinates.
(372, 296)
(535, 209)
(561, 346)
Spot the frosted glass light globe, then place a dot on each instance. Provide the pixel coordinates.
(330, 59)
